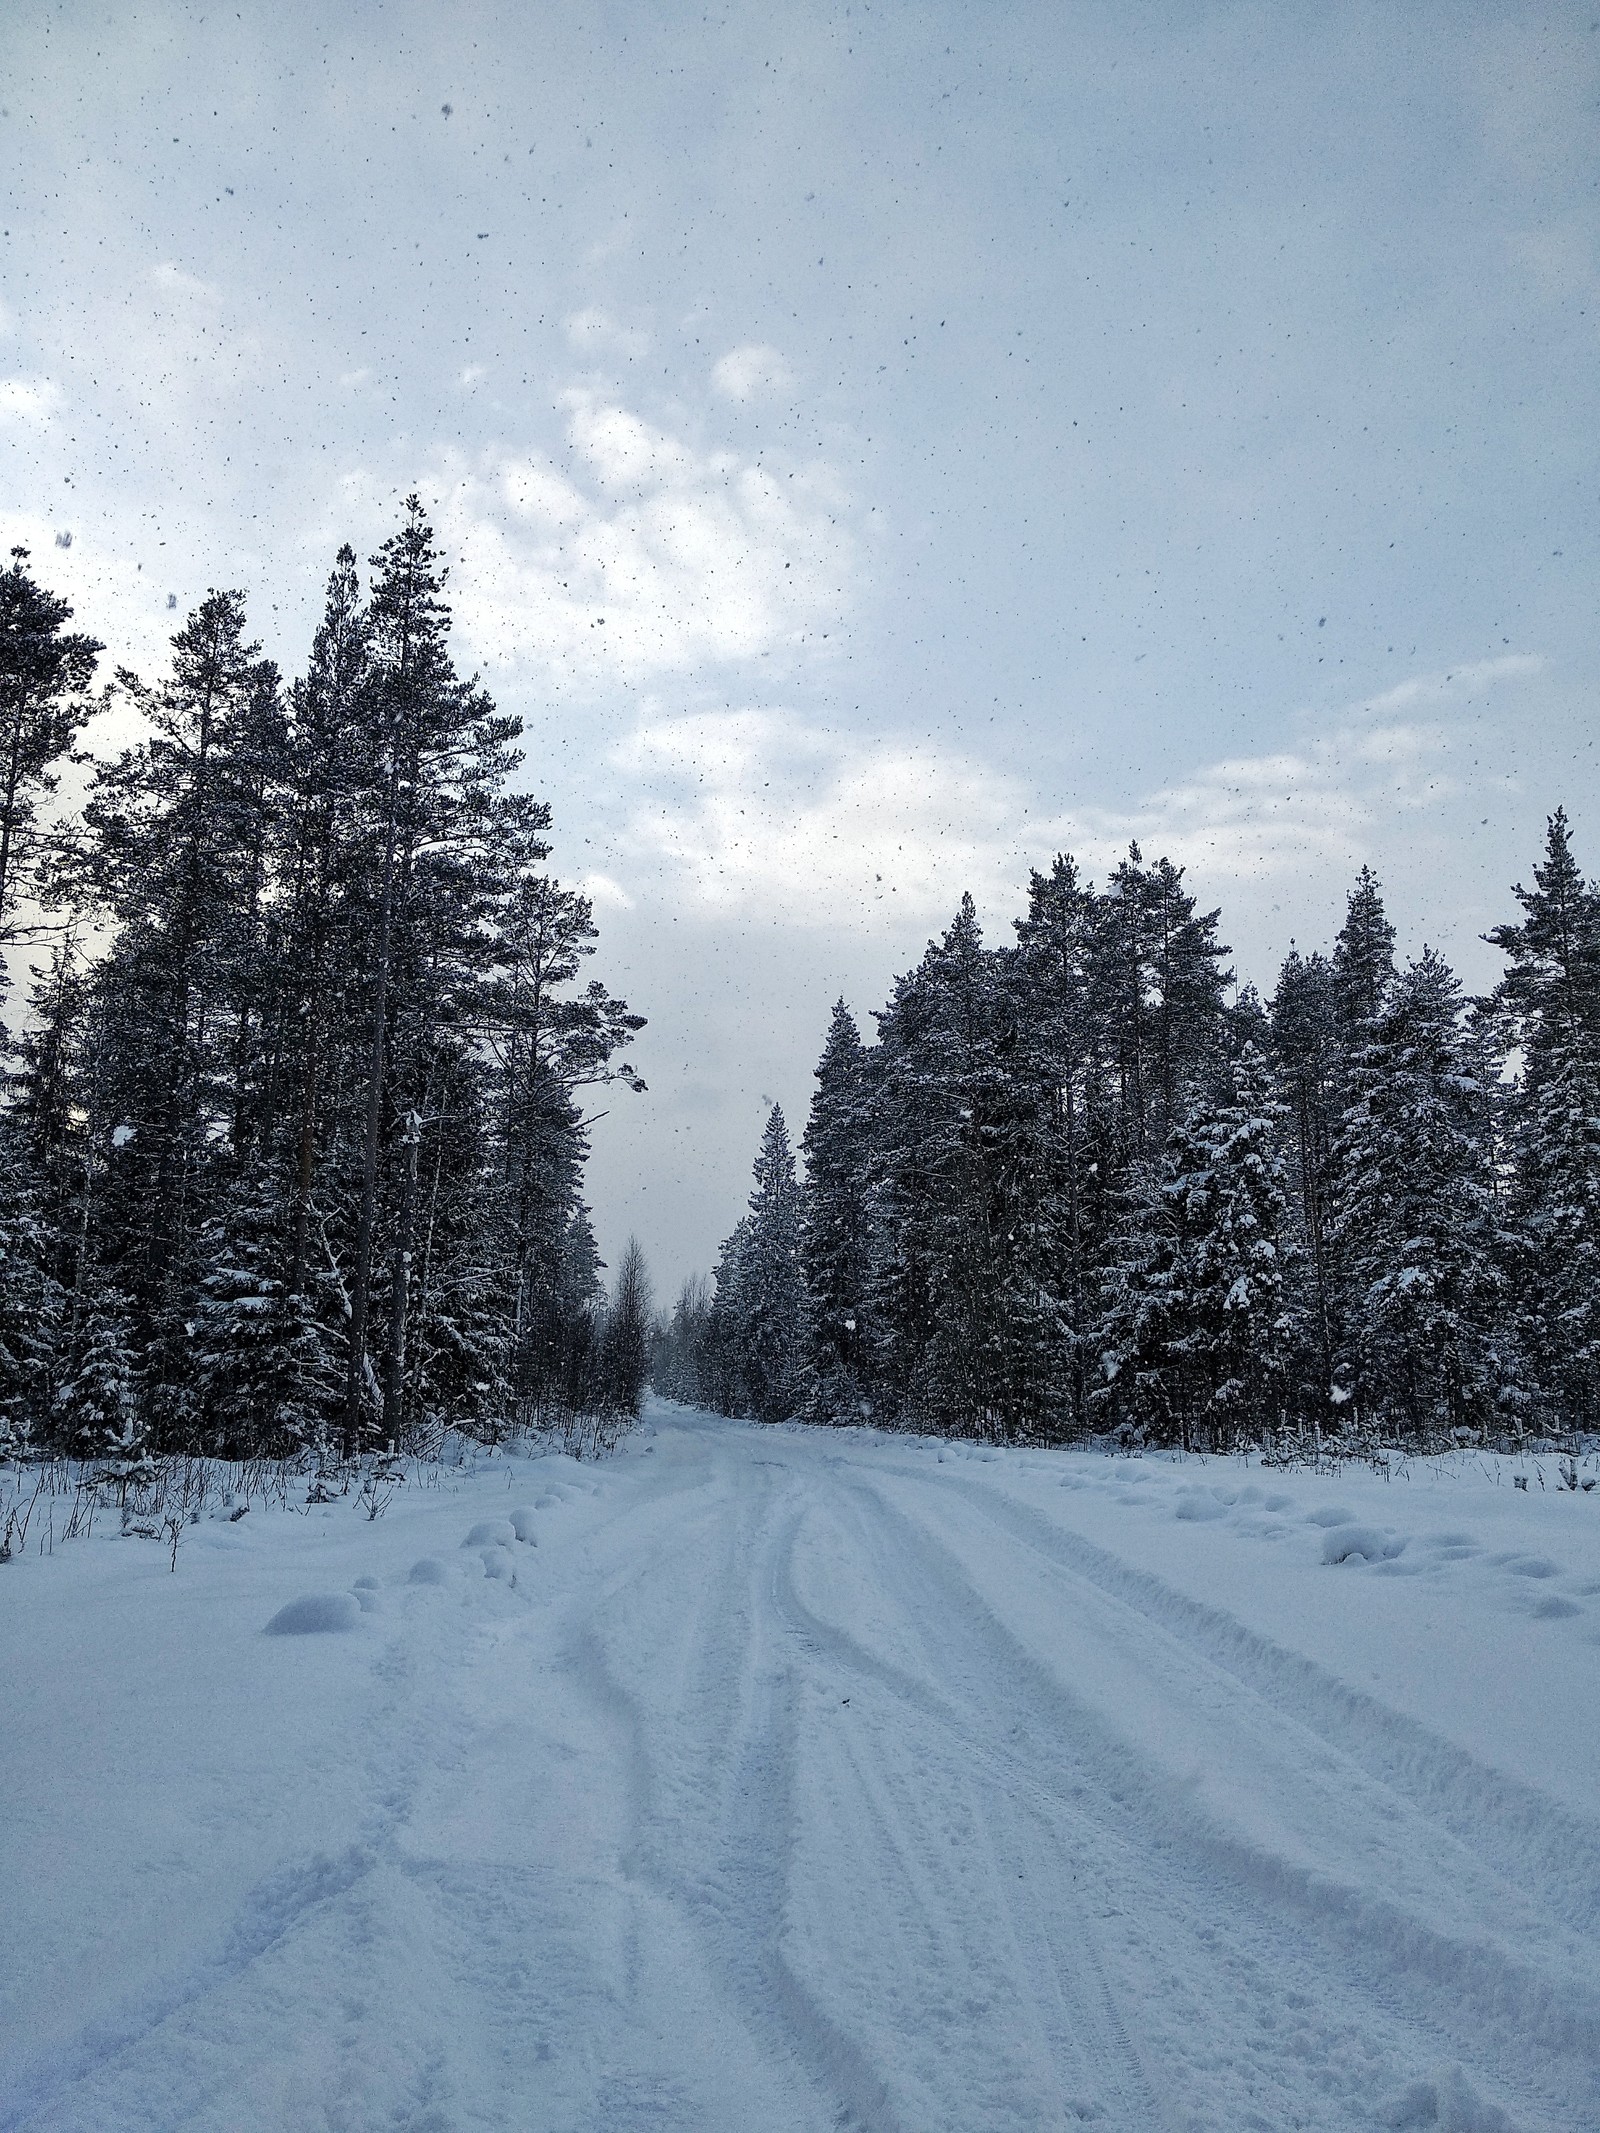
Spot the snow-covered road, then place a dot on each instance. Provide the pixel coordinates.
(787, 1779)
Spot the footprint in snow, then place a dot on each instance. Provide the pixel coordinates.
(492, 1533)
(1449, 2103)
(1361, 1544)
(1195, 1506)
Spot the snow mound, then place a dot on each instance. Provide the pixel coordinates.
(316, 1613)
(1449, 2104)
(1361, 1544)
(1196, 1505)
(1330, 1514)
(428, 1570)
(497, 1564)
(491, 1533)
(522, 1523)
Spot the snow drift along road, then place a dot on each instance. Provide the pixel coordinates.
(765, 1779)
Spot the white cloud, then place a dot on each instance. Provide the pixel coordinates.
(755, 368)
(28, 400)
(761, 814)
(111, 597)
(642, 554)
(595, 332)
(169, 275)
(607, 894)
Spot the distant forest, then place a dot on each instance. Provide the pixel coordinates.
(292, 1137)
(292, 1147)
(1074, 1188)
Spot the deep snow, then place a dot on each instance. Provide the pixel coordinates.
(766, 1779)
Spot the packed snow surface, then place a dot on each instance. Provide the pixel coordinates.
(768, 1779)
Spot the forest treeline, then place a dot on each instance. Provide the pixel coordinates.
(1077, 1185)
(292, 1147)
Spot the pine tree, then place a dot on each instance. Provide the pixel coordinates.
(172, 859)
(44, 673)
(1160, 986)
(317, 1106)
(1059, 984)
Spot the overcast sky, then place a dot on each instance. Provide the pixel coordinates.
(879, 446)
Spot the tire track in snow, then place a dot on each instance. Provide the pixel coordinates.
(713, 1825)
(1517, 2015)
(1058, 1967)
(1533, 1840)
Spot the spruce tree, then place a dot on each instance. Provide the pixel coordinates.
(625, 1344)
(727, 1386)
(1363, 961)
(30, 1300)
(1194, 1338)
(1424, 1348)
(772, 1328)
(97, 1411)
(264, 1371)
(1306, 1043)
(836, 1229)
(1549, 1005)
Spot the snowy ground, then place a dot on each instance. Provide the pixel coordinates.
(797, 1780)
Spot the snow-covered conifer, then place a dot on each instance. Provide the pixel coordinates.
(771, 1306)
(1425, 1345)
(836, 1228)
(1550, 1003)
(1194, 1341)
(97, 1410)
